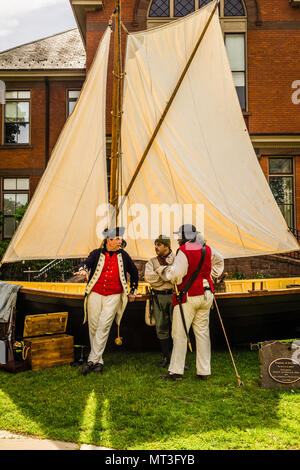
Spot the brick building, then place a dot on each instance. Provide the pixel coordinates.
(262, 38)
(42, 81)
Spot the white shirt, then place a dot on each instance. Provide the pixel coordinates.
(179, 268)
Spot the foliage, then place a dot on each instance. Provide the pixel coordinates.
(129, 407)
(20, 211)
(262, 276)
(3, 246)
(237, 275)
(59, 273)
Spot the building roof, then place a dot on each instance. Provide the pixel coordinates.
(60, 51)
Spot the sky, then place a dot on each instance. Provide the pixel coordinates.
(23, 21)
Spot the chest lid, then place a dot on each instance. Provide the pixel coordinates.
(45, 324)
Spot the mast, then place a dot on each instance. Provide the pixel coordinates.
(116, 112)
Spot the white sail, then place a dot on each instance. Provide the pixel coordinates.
(202, 153)
(61, 219)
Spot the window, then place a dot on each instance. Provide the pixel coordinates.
(15, 196)
(177, 8)
(72, 97)
(233, 21)
(17, 117)
(183, 7)
(233, 8)
(160, 8)
(281, 180)
(235, 46)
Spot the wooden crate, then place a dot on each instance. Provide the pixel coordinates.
(45, 342)
(49, 351)
(45, 324)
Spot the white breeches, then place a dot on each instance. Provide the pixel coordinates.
(101, 313)
(196, 312)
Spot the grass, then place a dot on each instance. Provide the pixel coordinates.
(128, 407)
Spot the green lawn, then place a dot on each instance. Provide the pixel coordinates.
(128, 407)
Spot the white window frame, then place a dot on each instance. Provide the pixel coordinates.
(9, 100)
(282, 175)
(73, 100)
(12, 191)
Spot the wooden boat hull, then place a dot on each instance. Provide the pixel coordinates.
(248, 316)
(255, 317)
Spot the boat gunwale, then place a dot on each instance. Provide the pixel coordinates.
(144, 297)
(258, 293)
(65, 295)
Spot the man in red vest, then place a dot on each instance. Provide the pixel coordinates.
(106, 293)
(196, 303)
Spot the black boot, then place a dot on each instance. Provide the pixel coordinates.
(165, 349)
(87, 368)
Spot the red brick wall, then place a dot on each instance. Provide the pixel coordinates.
(254, 266)
(57, 113)
(278, 10)
(273, 65)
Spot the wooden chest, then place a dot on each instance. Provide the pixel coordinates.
(45, 342)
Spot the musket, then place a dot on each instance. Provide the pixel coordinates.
(178, 296)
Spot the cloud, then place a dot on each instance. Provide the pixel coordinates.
(7, 26)
(23, 21)
(15, 8)
(11, 14)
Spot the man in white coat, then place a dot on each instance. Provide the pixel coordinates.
(106, 293)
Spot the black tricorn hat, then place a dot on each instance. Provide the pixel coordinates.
(187, 231)
(113, 232)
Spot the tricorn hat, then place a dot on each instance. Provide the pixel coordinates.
(187, 231)
(113, 232)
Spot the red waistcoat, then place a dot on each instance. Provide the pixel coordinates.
(109, 281)
(193, 253)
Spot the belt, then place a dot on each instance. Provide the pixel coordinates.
(163, 292)
(207, 288)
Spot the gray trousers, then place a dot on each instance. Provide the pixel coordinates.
(163, 315)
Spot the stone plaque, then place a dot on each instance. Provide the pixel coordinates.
(279, 364)
(285, 370)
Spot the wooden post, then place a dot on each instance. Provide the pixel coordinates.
(116, 111)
